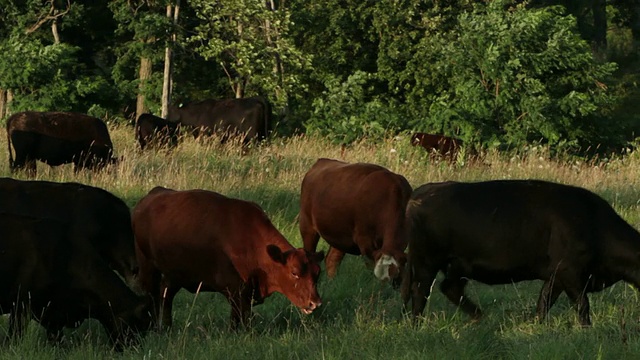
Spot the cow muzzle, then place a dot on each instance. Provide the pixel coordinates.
(312, 306)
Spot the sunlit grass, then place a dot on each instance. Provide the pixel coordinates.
(360, 317)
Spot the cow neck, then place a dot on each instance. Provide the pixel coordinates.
(265, 272)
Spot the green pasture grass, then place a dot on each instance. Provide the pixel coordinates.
(361, 318)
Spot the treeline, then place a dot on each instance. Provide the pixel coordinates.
(492, 73)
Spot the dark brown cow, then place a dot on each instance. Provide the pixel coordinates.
(58, 138)
(203, 241)
(93, 213)
(505, 231)
(48, 272)
(156, 132)
(247, 117)
(442, 145)
(358, 209)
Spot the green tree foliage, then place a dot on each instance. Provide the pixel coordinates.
(349, 111)
(45, 74)
(507, 72)
(143, 32)
(513, 76)
(251, 42)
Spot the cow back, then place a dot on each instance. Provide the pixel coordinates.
(62, 125)
(93, 213)
(342, 199)
(514, 230)
(223, 230)
(250, 117)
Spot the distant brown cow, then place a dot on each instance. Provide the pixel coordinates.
(358, 209)
(443, 145)
(202, 240)
(58, 138)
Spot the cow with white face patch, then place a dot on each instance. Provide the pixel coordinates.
(358, 209)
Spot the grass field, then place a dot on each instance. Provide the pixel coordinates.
(361, 318)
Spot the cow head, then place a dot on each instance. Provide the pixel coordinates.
(389, 266)
(296, 276)
(128, 326)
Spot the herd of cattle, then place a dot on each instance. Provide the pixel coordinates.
(57, 138)
(70, 251)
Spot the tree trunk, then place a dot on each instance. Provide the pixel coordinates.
(54, 30)
(600, 27)
(635, 24)
(278, 69)
(167, 82)
(3, 103)
(143, 75)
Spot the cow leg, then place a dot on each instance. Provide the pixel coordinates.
(240, 309)
(18, 320)
(548, 295)
(149, 281)
(310, 236)
(578, 295)
(422, 279)
(54, 333)
(168, 294)
(333, 260)
(453, 288)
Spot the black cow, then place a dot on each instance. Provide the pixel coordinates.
(93, 213)
(48, 272)
(247, 117)
(156, 132)
(58, 138)
(499, 232)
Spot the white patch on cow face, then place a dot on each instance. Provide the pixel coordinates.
(382, 267)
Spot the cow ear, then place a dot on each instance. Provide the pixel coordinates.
(276, 254)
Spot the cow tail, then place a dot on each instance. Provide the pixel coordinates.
(411, 221)
(11, 162)
(405, 287)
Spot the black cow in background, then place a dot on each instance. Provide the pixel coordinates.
(247, 117)
(92, 213)
(499, 232)
(50, 272)
(58, 138)
(154, 131)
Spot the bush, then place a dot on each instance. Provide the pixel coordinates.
(347, 112)
(514, 75)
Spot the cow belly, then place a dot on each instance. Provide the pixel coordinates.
(344, 243)
(495, 271)
(50, 150)
(216, 273)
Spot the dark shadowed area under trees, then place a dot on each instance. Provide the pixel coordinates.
(492, 73)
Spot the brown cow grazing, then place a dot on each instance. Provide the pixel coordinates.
(203, 241)
(440, 144)
(156, 132)
(358, 209)
(58, 138)
(505, 231)
(47, 272)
